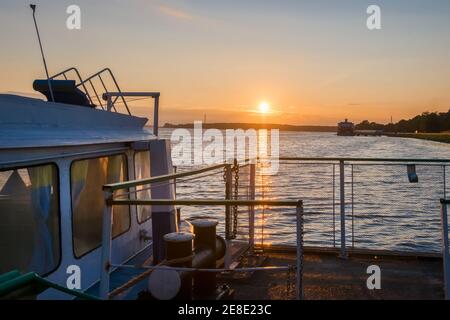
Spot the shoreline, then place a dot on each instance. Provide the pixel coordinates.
(436, 137)
(256, 126)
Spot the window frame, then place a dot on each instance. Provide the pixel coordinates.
(134, 167)
(58, 199)
(124, 155)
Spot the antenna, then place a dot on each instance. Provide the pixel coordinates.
(33, 7)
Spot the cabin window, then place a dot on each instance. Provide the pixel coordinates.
(87, 179)
(142, 171)
(29, 219)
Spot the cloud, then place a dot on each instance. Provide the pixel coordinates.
(174, 12)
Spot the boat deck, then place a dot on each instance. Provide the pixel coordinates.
(326, 276)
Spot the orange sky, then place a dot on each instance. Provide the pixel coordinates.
(313, 64)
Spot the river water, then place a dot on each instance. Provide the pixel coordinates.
(384, 210)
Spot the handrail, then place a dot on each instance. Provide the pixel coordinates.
(343, 162)
(63, 73)
(347, 159)
(207, 202)
(155, 95)
(97, 74)
(133, 183)
(445, 246)
(108, 95)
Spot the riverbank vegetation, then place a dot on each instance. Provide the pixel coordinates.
(434, 126)
(438, 137)
(427, 122)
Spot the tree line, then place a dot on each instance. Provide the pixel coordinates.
(430, 122)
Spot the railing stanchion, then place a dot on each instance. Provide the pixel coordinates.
(109, 103)
(334, 205)
(343, 253)
(119, 94)
(106, 246)
(228, 176)
(445, 248)
(445, 182)
(251, 211)
(175, 182)
(299, 253)
(228, 194)
(155, 116)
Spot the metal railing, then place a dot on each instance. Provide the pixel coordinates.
(445, 246)
(363, 200)
(361, 193)
(238, 183)
(371, 211)
(110, 104)
(111, 201)
(155, 95)
(82, 83)
(80, 80)
(109, 96)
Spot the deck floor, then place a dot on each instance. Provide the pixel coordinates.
(328, 277)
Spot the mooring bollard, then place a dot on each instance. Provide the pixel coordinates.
(179, 246)
(205, 256)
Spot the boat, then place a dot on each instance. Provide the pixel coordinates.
(54, 159)
(89, 210)
(346, 128)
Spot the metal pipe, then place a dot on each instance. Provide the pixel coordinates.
(79, 78)
(228, 195)
(33, 7)
(175, 183)
(106, 248)
(445, 249)
(342, 203)
(445, 181)
(334, 205)
(96, 94)
(368, 163)
(299, 252)
(132, 94)
(353, 210)
(218, 270)
(127, 184)
(155, 116)
(362, 159)
(119, 93)
(208, 202)
(251, 211)
(134, 183)
(118, 88)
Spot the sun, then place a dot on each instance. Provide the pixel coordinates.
(264, 107)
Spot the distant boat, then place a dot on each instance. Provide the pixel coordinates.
(346, 128)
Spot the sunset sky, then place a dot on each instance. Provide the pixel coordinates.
(312, 62)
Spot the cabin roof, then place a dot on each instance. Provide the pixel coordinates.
(29, 122)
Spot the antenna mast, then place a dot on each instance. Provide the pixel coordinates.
(33, 7)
